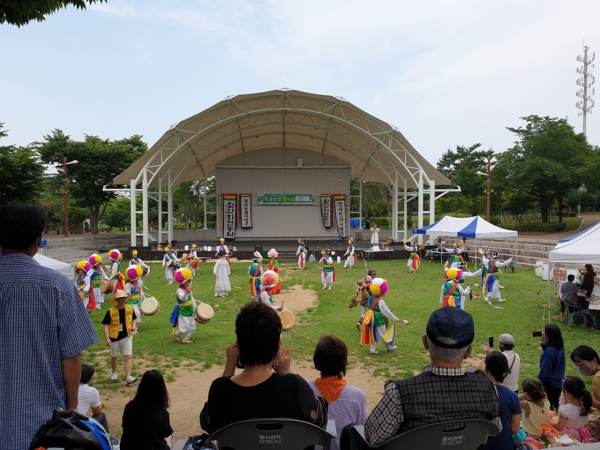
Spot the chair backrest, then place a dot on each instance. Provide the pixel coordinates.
(455, 435)
(271, 434)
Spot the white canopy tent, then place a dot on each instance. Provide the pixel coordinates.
(64, 268)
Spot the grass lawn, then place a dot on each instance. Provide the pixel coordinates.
(411, 297)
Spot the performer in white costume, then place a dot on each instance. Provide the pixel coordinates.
(328, 272)
(221, 272)
(301, 254)
(170, 263)
(374, 235)
(350, 255)
(186, 306)
(491, 284)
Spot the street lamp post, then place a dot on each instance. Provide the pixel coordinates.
(582, 189)
(488, 190)
(65, 193)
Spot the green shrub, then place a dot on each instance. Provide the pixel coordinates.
(382, 222)
(496, 221)
(550, 227)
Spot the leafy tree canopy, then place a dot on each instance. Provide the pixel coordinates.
(461, 165)
(21, 12)
(20, 174)
(100, 161)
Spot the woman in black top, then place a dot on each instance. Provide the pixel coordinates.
(266, 388)
(589, 279)
(146, 419)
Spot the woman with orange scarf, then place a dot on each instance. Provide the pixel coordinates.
(347, 404)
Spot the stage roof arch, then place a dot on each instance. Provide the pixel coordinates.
(374, 150)
(191, 149)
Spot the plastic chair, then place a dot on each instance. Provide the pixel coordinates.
(574, 312)
(273, 434)
(456, 435)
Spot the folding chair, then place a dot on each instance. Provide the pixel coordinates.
(456, 435)
(574, 312)
(273, 434)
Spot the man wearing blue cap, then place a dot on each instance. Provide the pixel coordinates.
(443, 392)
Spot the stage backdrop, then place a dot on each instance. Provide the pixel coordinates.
(302, 176)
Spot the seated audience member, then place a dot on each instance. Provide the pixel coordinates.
(535, 406)
(89, 397)
(588, 363)
(496, 366)
(443, 392)
(568, 292)
(266, 388)
(146, 421)
(583, 301)
(347, 404)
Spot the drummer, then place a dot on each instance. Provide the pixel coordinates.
(255, 271)
(328, 272)
(116, 276)
(83, 284)
(169, 260)
(135, 260)
(185, 317)
(269, 280)
(194, 261)
(134, 291)
(97, 274)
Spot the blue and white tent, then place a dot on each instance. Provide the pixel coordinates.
(467, 227)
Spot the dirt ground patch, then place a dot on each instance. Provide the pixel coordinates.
(189, 390)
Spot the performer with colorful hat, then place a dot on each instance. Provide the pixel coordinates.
(328, 272)
(183, 316)
(373, 325)
(413, 260)
(465, 274)
(134, 290)
(269, 280)
(96, 277)
(135, 260)
(221, 272)
(83, 284)
(452, 293)
(350, 254)
(255, 271)
(116, 276)
(301, 254)
(194, 261)
(170, 263)
(457, 261)
(491, 283)
(274, 266)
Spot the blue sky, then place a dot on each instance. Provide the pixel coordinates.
(446, 73)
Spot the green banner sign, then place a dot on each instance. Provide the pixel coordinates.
(286, 199)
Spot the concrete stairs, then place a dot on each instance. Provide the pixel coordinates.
(76, 247)
(526, 250)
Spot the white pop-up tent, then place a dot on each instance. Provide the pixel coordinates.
(59, 266)
(467, 227)
(578, 249)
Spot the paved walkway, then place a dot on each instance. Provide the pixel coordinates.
(589, 220)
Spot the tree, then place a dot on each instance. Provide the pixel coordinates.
(21, 12)
(461, 166)
(100, 161)
(548, 160)
(20, 174)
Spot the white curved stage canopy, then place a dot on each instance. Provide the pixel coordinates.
(195, 148)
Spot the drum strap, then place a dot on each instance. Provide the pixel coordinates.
(188, 303)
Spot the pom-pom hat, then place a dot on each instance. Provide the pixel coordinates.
(451, 328)
(83, 265)
(183, 275)
(114, 254)
(269, 279)
(134, 252)
(272, 253)
(453, 274)
(378, 287)
(95, 259)
(134, 272)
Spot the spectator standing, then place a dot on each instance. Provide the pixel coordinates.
(496, 366)
(89, 397)
(347, 404)
(119, 325)
(40, 365)
(152, 225)
(367, 222)
(443, 392)
(588, 363)
(589, 278)
(146, 422)
(552, 363)
(511, 380)
(189, 221)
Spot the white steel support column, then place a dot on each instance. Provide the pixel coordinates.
(405, 211)
(431, 206)
(420, 205)
(160, 211)
(170, 209)
(133, 212)
(360, 210)
(205, 214)
(145, 209)
(395, 209)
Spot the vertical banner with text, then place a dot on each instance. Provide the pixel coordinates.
(229, 215)
(246, 211)
(339, 202)
(326, 210)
